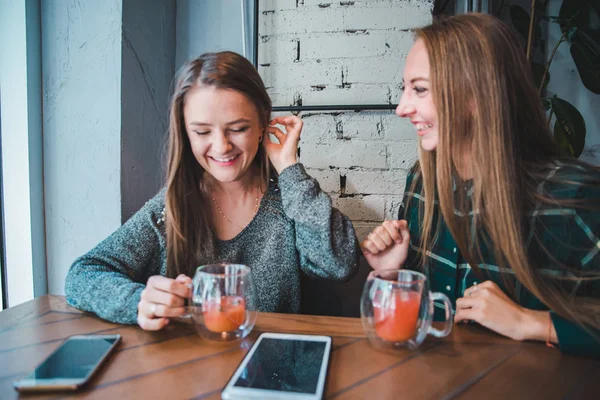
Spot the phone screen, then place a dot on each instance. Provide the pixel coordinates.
(74, 359)
(284, 365)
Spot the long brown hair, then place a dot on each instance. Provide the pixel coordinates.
(488, 106)
(189, 226)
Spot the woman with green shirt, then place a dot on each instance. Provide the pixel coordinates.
(492, 213)
(232, 195)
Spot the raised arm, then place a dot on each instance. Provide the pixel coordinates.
(325, 237)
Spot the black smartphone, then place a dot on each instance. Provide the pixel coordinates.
(71, 365)
(282, 366)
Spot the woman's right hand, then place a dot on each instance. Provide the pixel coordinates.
(162, 299)
(387, 246)
(283, 154)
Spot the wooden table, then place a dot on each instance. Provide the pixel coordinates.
(472, 363)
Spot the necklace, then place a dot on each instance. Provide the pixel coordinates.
(225, 216)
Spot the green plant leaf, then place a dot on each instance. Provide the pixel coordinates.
(569, 127)
(562, 141)
(546, 104)
(582, 14)
(586, 54)
(520, 20)
(537, 70)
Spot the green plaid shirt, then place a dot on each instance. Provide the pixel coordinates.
(569, 235)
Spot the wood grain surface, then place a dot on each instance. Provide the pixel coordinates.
(472, 363)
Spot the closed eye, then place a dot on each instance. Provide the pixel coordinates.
(420, 89)
(201, 132)
(242, 129)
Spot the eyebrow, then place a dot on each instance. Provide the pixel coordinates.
(418, 78)
(237, 121)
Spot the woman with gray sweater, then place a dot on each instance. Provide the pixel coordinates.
(232, 195)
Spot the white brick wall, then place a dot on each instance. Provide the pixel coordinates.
(345, 154)
(325, 52)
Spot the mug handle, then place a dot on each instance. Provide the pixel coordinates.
(188, 303)
(448, 320)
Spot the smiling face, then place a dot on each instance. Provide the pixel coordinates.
(417, 101)
(224, 131)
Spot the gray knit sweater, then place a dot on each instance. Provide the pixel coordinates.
(295, 229)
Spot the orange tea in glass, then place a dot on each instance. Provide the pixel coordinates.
(224, 304)
(397, 309)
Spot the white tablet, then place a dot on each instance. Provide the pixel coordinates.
(281, 366)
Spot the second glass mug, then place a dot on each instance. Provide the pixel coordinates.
(397, 309)
(224, 304)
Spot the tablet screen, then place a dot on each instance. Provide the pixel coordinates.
(285, 365)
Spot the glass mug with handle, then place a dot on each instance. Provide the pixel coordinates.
(224, 304)
(397, 309)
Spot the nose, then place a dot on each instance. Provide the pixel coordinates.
(221, 143)
(405, 108)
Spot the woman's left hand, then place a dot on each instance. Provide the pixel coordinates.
(283, 154)
(488, 305)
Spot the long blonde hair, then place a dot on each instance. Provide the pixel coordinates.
(487, 105)
(189, 227)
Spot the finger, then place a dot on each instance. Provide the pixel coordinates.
(466, 314)
(487, 285)
(293, 126)
(155, 296)
(468, 292)
(147, 309)
(187, 281)
(147, 316)
(466, 302)
(168, 285)
(153, 324)
(288, 120)
(384, 234)
(392, 231)
(160, 311)
(378, 241)
(153, 310)
(277, 132)
(183, 278)
(474, 290)
(369, 246)
(364, 249)
(404, 232)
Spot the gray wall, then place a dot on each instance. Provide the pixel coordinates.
(81, 64)
(148, 66)
(206, 26)
(107, 68)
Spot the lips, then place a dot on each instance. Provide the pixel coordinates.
(224, 160)
(422, 126)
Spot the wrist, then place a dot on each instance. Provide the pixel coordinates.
(284, 164)
(535, 325)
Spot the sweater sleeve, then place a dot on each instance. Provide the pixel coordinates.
(325, 238)
(108, 280)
